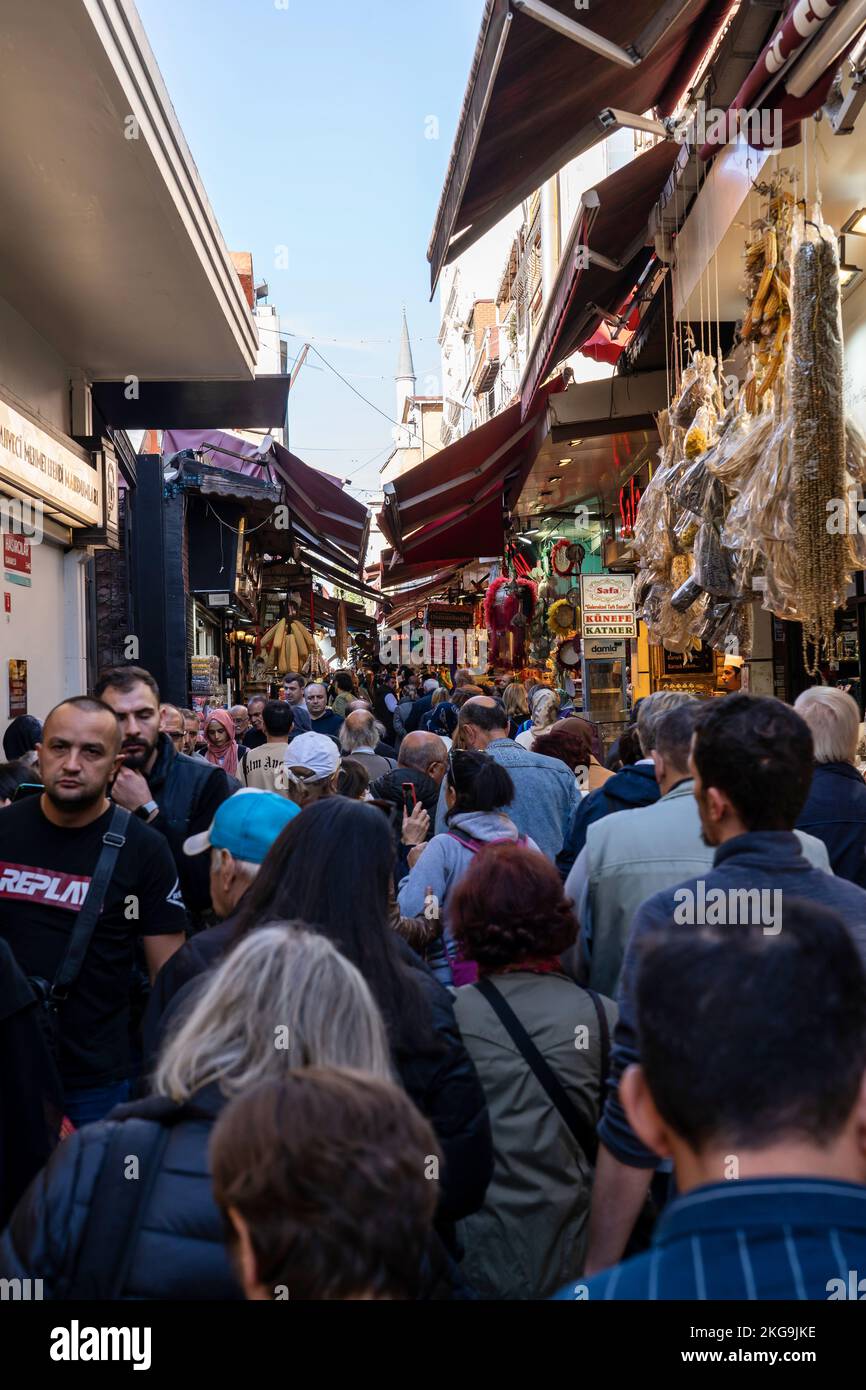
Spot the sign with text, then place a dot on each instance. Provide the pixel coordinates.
(17, 687)
(603, 649)
(16, 559)
(607, 605)
(40, 464)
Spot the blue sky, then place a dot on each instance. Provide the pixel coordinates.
(309, 124)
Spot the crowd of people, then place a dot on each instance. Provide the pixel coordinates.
(402, 986)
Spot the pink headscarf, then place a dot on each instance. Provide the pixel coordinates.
(227, 758)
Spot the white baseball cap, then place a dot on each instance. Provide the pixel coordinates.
(318, 752)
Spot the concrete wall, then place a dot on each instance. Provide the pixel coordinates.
(31, 369)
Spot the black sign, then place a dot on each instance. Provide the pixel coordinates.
(700, 663)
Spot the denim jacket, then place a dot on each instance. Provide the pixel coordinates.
(545, 794)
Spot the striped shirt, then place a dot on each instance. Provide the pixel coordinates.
(759, 1238)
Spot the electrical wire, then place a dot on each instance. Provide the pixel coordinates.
(361, 397)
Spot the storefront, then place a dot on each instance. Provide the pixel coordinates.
(52, 504)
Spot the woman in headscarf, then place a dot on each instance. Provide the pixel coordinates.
(222, 748)
(543, 710)
(571, 741)
(21, 738)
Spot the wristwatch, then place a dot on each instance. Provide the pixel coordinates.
(146, 811)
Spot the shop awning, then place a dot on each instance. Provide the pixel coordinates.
(394, 574)
(612, 224)
(408, 602)
(450, 506)
(329, 518)
(544, 86)
(793, 75)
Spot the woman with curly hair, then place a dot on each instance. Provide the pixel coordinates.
(540, 1044)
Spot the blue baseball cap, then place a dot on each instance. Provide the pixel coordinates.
(246, 825)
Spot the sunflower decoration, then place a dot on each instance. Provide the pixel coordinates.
(563, 618)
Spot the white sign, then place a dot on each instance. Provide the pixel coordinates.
(607, 605)
(603, 649)
(39, 464)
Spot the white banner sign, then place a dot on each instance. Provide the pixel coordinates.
(38, 464)
(603, 649)
(607, 605)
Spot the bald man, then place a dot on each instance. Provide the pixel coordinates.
(421, 767)
(323, 719)
(545, 790)
(358, 738)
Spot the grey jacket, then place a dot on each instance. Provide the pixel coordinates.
(630, 856)
(530, 1235)
(545, 794)
(445, 860)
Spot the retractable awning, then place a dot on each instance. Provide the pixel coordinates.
(407, 602)
(605, 257)
(324, 516)
(393, 574)
(544, 87)
(450, 506)
(793, 75)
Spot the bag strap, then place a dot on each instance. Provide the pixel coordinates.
(543, 1072)
(88, 914)
(117, 1206)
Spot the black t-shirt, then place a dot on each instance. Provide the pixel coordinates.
(254, 738)
(44, 874)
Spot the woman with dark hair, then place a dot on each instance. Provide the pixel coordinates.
(352, 779)
(570, 740)
(476, 790)
(21, 738)
(351, 908)
(12, 775)
(509, 914)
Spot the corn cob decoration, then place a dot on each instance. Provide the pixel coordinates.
(768, 289)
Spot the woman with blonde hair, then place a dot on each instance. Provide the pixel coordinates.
(543, 714)
(285, 998)
(516, 706)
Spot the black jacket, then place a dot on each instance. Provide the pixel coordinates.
(179, 1251)
(835, 811)
(188, 792)
(389, 787)
(442, 1081)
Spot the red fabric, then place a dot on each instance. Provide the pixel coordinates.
(788, 38)
(601, 346)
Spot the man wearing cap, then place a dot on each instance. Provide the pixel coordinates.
(312, 765)
(239, 837)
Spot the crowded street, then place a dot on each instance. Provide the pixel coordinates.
(433, 781)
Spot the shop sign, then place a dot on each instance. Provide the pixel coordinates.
(603, 649)
(218, 600)
(607, 605)
(16, 560)
(17, 687)
(107, 535)
(38, 463)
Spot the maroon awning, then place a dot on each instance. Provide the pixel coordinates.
(535, 97)
(765, 92)
(325, 516)
(613, 222)
(394, 573)
(450, 506)
(409, 600)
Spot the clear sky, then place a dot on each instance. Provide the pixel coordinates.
(310, 125)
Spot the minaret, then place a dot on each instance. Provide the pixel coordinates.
(405, 376)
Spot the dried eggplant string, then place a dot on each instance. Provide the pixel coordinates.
(817, 437)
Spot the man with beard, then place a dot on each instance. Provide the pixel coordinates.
(175, 794)
(51, 845)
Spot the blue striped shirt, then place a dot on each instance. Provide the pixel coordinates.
(759, 1238)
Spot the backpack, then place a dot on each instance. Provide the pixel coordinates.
(475, 846)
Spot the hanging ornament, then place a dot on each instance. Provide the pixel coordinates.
(563, 618)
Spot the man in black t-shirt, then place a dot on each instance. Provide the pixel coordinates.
(177, 795)
(49, 848)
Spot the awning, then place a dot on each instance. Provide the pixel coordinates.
(793, 76)
(450, 506)
(397, 574)
(538, 95)
(328, 518)
(406, 603)
(193, 405)
(612, 224)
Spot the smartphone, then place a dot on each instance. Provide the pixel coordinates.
(27, 789)
(410, 796)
